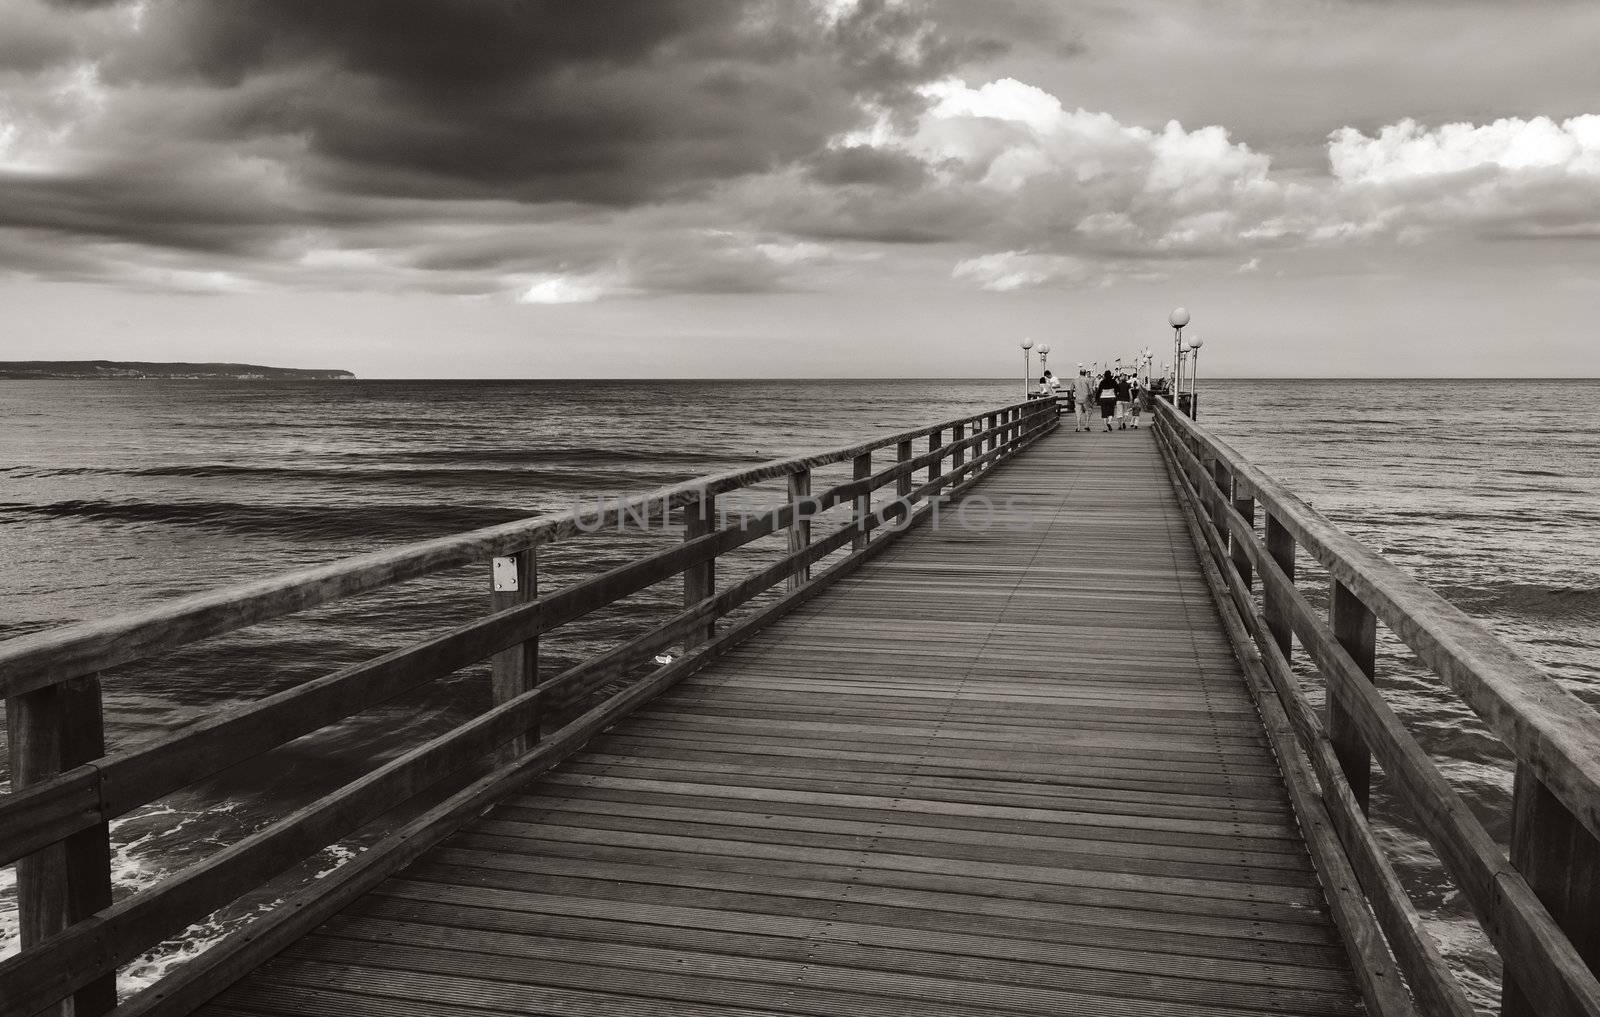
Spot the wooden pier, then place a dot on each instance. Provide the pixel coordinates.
(1019, 735)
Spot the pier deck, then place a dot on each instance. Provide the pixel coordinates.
(1009, 771)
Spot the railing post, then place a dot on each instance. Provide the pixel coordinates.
(49, 731)
(989, 443)
(514, 579)
(958, 454)
(935, 468)
(699, 581)
(1219, 517)
(902, 486)
(1357, 631)
(1244, 503)
(1561, 862)
(800, 527)
(1280, 545)
(863, 470)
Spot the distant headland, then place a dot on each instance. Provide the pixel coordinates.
(19, 370)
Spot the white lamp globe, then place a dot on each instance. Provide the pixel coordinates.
(1194, 342)
(1027, 344)
(1044, 347)
(1179, 317)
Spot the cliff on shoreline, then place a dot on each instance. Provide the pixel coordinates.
(18, 370)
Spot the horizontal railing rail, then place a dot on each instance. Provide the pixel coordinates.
(54, 825)
(1538, 906)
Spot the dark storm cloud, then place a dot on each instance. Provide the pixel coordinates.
(626, 102)
(239, 127)
(866, 164)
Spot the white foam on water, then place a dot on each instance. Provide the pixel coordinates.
(338, 854)
(141, 861)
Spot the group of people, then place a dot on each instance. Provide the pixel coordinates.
(1119, 392)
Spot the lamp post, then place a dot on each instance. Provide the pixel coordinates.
(1177, 319)
(1195, 342)
(1027, 363)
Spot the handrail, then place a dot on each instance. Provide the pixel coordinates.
(54, 824)
(44, 658)
(1546, 726)
(1532, 906)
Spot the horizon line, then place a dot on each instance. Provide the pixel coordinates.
(861, 377)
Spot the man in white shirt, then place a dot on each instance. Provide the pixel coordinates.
(1081, 387)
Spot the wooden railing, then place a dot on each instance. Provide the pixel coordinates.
(53, 825)
(1539, 907)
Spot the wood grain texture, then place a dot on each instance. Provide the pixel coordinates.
(1010, 765)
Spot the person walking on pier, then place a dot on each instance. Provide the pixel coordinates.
(1107, 394)
(1136, 396)
(1123, 396)
(1081, 386)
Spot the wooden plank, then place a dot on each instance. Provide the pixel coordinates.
(639, 872)
(606, 891)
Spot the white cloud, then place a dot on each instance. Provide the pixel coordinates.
(1407, 151)
(1080, 184)
(1006, 271)
(556, 288)
(793, 252)
(1512, 177)
(1038, 176)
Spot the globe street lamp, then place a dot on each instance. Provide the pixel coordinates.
(1027, 363)
(1177, 319)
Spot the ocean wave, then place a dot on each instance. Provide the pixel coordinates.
(580, 473)
(142, 853)
(315, 522)
(1532, 600)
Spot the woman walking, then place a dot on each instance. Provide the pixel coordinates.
(1107, 394)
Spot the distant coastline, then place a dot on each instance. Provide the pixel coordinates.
(32, 370)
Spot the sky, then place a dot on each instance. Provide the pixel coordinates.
(802, 188)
